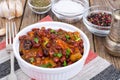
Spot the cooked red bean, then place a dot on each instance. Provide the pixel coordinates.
(36, 45)
(40, 53)
(45, 53)
(27, 44)
(48, 45)
(56, 59)
(58, 47)
(63, 59)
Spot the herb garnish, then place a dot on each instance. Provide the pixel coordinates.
(67, 53)
(40, 3)
(46, 65)
(64, 63)
(77, 38)
(58, 55)
(32, 60)
(36, 40)
(53, 31)
(67, 37)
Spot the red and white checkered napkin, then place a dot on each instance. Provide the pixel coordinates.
(96, 68)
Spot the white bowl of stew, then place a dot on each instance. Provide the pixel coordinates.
(51, 73)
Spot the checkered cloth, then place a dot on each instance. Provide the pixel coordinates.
(96, 68)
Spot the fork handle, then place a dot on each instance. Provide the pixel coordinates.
(12, 62)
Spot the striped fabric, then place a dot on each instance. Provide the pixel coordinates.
(96, 68)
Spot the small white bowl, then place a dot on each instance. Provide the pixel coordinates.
(39, 10)
(63, 73)
(69, 10)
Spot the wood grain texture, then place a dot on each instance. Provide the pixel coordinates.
(99, 41)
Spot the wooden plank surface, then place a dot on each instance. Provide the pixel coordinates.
(99, 45)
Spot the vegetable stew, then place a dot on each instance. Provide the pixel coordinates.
(51, 48)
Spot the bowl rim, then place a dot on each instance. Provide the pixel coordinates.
(69, 16)
(51, 69)
(95, 6)
(39, 7)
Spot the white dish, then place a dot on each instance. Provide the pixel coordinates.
(69, 13)
(63, 73)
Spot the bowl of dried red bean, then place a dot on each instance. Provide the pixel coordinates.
(51, 50)
(98, 20)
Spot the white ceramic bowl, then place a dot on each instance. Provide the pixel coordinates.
(39, 73)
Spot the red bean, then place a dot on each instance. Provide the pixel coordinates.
(64, 52)
(39, 54)
(27, 44)
(63, 59)
(43, 57)
(64, 39)
(22, 37)
(59, 64)
(70, 62)
(45, 53)
(53, 36)
(76, 44)
(48, 45)
(34, 29)
(56, 59)
(37, 45)
(58, 47)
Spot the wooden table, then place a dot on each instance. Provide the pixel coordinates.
(96, 42)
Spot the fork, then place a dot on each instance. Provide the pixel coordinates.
(10, 34)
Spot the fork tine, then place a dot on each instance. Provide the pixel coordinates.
(6, 34)
(13, 32)
(15, 29)
(9, 33)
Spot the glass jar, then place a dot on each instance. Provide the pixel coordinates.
(112, 41)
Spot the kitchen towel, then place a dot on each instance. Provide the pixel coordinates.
(96, 68)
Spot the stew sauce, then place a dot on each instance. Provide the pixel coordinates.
(51, 48)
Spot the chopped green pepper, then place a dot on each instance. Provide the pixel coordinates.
(32, 60)
(64, 63)
(53, 31)
(77, 38)
(67, 52)
(58, 55)
(67, 37)
(36, 40)
(46, 65)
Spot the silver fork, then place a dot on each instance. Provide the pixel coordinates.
(10, 34)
